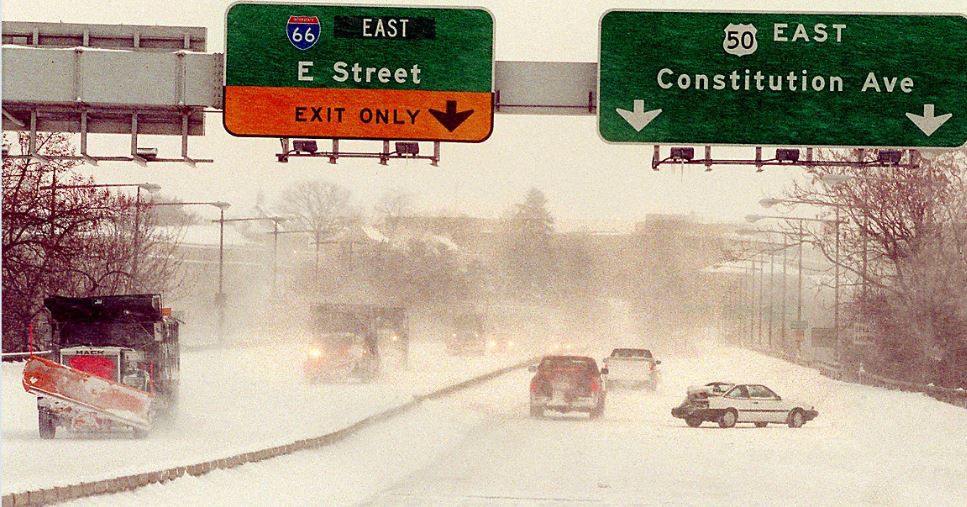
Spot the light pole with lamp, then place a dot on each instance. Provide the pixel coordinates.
(275, 246)
(220, 298)
(785, 246)
(756, 218)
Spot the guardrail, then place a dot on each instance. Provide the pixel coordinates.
(48, 496)
(953, 396)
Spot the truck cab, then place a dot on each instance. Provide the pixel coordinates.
(355, 342)
(129, 340)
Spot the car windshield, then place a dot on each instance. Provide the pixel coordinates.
(640, 353)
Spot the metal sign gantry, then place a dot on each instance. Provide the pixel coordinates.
(118, 79)
(158, 80)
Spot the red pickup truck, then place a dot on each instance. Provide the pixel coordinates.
(567, 384)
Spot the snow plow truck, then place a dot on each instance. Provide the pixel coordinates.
(356, 342)
(114, 365)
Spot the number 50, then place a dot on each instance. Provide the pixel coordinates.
(734, 40)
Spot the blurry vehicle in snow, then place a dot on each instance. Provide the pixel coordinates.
(500, 343)
(116, 367)
(728, 404)
(563, 346)
(467, 335)
(632, 367)
(355, 342)
(567, 384)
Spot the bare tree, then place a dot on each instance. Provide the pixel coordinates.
(75, 240)
(392, 206)
(900, 246)
(318, 207)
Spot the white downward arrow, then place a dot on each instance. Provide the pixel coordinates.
(638, 118)
(928, 123)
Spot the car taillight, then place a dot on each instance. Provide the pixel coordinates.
(533, 385)
(594, 386)
(651, 366)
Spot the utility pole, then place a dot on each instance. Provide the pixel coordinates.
(785, 282)
(839, 344)
(772, 290)
(762, 274)
(220, 298)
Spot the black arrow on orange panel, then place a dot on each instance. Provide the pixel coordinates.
(451, 119)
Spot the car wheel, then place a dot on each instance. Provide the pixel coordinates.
(728, 418)
(46, 424)
(597, 412)
(537, 411)
(693, 421)
(796, 419)
(761, 424)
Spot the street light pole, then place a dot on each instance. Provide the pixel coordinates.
(275, 241)
(752, 301)
(762, 274)
(275, 257)
(799, 285)
(839, 345)
(785, 283)
(772, 290)
(755, 218)
(220, 298)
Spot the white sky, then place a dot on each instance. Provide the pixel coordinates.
(583, 177)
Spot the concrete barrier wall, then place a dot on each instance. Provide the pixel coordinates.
(129, 482)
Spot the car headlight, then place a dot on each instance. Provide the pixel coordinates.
(315, 353)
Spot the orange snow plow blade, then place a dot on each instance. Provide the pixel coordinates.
(84, 391)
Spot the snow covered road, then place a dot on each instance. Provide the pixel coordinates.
(868, 447)
(232, 401)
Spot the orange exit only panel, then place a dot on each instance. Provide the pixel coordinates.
(358, 114)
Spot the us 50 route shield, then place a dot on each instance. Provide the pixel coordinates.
(783, 79)
(344, 72)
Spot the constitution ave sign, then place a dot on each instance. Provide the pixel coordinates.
(421, 74)
(783, 79)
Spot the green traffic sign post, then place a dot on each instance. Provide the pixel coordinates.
(359, 72)
(783, 79)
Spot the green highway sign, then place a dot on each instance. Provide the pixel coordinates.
(783, 79)
(351, 72)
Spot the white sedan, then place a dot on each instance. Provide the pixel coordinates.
(753, 403)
